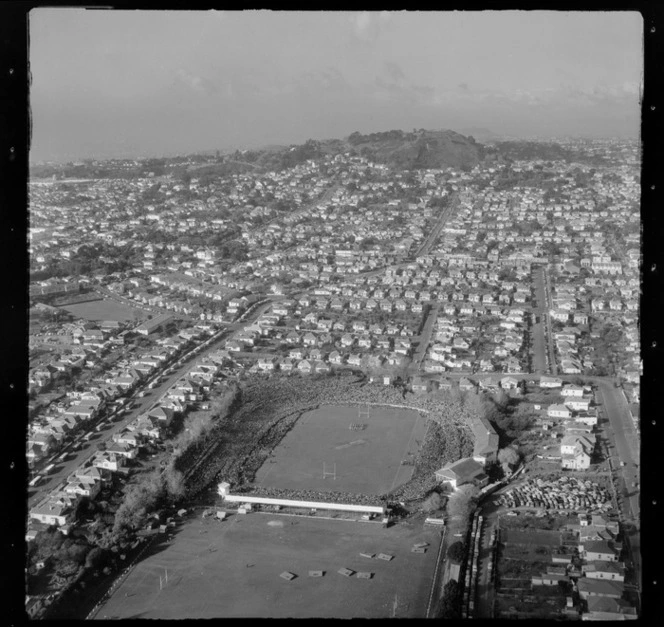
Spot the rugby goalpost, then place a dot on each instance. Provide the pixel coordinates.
(163, 581)
(362, 413)
(330, 473)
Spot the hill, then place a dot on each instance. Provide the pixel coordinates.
(480, 133)
(419, 149)
(403, 150)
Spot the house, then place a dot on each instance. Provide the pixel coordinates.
(309, 340)
(578, 404)
(89, 489)
(598, 551)
(109, 461)
(164, 414)
(420, 385)
(463, 471)
(347, 340)
(266, 364)
(509, 383)
(335, 358)
(466, 385)
(572, 390)
(286, 365)
(320, 366)
(355, 360)
(578, 459)
(51, 512)
(612, 571)
(604, 608)
(305, 366)
(549, 579)
(296, 353)
(550, 382)
(598, 588)
(558, 411)
(489, 384)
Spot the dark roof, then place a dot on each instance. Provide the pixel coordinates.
(464, 469)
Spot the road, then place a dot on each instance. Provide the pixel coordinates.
(624, 447)
(542, 338)
(88, 449)
(445, 215)
(425, 338)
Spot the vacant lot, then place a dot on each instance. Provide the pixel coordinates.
(534, 537)
(99, 310)
(231, 569)
(367, 461)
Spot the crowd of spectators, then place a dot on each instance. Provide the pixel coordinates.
(244, 439)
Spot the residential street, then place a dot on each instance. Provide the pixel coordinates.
(624, 446)
(425, 339)
(542, 340)
(141, 405)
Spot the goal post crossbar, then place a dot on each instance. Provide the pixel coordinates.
(330, 473)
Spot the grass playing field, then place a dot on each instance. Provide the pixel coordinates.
(99, 310)
(232, 569)
(364, 461)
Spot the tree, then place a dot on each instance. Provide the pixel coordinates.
(508, 456)
(452, 597)
(95, 558)
(463, 502)
(456, 552)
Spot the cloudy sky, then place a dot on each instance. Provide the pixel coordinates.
(130, 83)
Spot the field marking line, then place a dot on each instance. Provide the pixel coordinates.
(410, 439)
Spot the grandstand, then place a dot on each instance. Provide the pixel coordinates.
(223, 490)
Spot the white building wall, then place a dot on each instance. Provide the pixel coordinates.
(260, 500)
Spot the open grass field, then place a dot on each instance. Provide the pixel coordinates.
(99, 310)
(539, 537)
(232, 569)
(367, 461)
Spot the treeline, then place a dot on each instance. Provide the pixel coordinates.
(160, 488)
(357, 138)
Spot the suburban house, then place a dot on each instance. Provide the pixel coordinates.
(613, 571)
(578, 404)
(599, 588)
(558, 411)
(608, 609)
(572, 390)
(598, 551)
(550, 382)
(579, 458)
(420, 385)
(53, 513)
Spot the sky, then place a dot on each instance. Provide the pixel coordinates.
(154, 83)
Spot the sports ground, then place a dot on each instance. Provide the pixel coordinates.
(322, 453)
(99, 310)
(232, 569)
